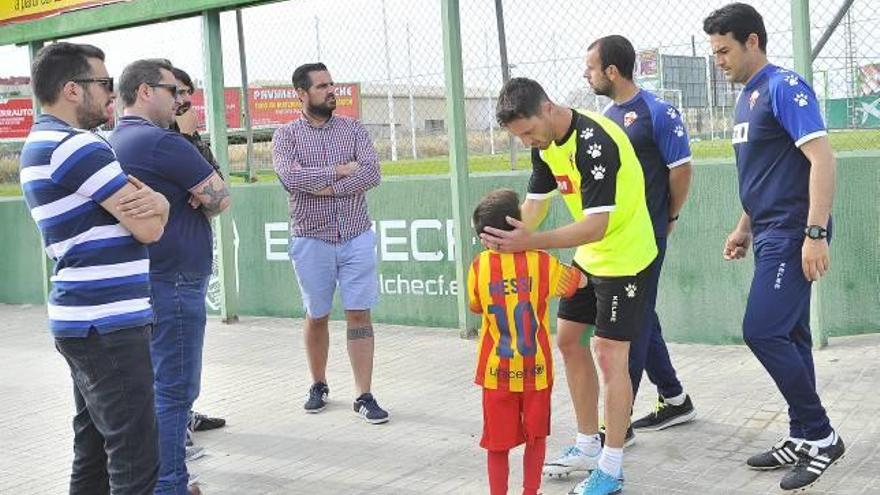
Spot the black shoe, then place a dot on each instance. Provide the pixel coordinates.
(366, 407)
(666, 415)
(628, 441)
(317, 398)
(812, 463)
(203, 422)
(781, 454)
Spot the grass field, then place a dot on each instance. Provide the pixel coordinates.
(841, 141)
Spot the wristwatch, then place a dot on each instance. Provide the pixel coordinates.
(815, 232)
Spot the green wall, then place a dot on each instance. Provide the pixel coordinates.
(702, 297)
(21, 265)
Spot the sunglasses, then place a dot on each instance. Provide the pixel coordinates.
(172, 88)
(107, 82)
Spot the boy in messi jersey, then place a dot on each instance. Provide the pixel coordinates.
(515, 360)
(786, 171)
(589, 161)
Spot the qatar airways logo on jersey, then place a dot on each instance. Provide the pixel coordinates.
(741, 133)
(564, 184)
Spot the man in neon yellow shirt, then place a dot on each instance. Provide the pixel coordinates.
(587, 159)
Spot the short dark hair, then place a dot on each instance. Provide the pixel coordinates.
(301, 79)
(145, 71)
(520, 98)
(617, 51)
(183, 77)
(739, 19)
(58, 63)
(494, 208)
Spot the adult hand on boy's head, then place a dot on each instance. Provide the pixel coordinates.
(508, 241)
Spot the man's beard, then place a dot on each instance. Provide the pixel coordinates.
(323, 111)
(88, 116)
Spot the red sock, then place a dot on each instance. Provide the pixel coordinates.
(498, 471)
(533, 462)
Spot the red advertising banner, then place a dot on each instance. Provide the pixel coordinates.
(278, 105)
(233, 107)
(16, 118)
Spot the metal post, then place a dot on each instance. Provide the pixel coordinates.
(215, 109)
(391, 129)
(803, 63)
(249, 129)
(489, 96)
(832, 26)
(800, 38)
(505, 70)
(457, 154)
(47, 264)
(318, 38)
(412, 103)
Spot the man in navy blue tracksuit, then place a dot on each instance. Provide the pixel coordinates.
(786, 183)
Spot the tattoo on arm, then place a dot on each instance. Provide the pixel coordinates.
(360, 333)
(213, 206)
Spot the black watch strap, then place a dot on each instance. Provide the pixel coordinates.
(816, 232)
(675, 218)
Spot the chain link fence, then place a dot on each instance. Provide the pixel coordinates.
(387, 59)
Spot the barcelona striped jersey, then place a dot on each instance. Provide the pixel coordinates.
(512, 291)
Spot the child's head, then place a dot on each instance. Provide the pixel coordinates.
(494, 208)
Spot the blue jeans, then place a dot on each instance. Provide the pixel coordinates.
(114, 430)
(648, 352)
(178, 337)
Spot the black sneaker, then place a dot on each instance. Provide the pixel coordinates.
(811, 464)
(666, 415)
(203, 422)
(366, 407)
(781, 454)
(317, 398)
(628, 441)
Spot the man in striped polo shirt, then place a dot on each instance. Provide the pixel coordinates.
(94, 221)
(327, 164)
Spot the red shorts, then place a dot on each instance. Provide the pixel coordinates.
(512, 418)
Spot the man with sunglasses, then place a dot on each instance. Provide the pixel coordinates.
(181, 262)
(95, 221)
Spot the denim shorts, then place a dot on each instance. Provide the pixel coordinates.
(320, 266)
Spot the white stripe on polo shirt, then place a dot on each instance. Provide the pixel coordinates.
(34, 172)
(46, 136)
(70, 147)
(100, 179)
(102, 272)
(92, 313)
(58, 207)
(60, 248)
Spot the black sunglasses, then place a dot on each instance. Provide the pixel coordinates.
(170, 87)
(107, 82)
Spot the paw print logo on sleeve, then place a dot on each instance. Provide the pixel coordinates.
(801, 99)
(630, 290)
(671, 112)
(679, 130)
(595, 150)
(791, 79)
(587, 133)
(598, 172)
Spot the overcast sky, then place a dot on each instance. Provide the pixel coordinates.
(546, 38)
